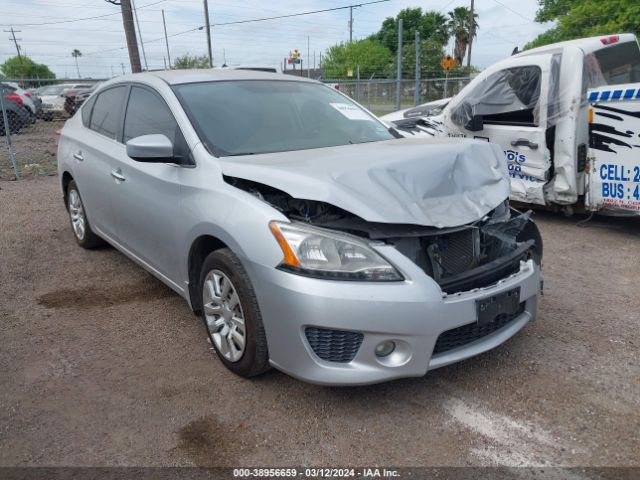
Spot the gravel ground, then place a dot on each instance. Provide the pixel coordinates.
(35, 150)
(103, 365)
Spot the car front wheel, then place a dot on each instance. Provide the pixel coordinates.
(231, 314)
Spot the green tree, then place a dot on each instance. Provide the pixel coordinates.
(552, 9)
(191, 61)
(431, 53)
(435, 26)
(75, 54)
(430, 25)
(371, 56)
(460, 27)
(24, 67)
(586, 18)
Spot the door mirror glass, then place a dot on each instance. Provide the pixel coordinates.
(475, 123)
(155, 148)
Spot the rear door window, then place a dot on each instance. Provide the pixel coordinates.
(107, 112)
(86, 111)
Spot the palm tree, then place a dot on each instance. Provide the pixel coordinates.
(75, 54)
(461, 27)
(435, 26)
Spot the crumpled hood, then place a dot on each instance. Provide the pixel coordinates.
(437, 182)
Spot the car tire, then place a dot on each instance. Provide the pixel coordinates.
(231, 314)
(78, 217)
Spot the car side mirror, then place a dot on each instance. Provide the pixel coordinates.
(475, 124)
(154, 148)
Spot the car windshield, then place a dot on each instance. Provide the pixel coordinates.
(264, 116)
(53, 90)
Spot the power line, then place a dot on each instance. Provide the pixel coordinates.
(74, 19)
(237, 22)
(514, 11)
(298, 14)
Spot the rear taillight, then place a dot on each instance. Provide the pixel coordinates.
(14, 97)
(58, 134)
(609, 40)
(27, 94)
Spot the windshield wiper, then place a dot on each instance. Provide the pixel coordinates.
(239, 154)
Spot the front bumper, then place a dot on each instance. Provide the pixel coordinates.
(412, 313)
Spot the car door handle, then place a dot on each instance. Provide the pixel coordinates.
(523, 142)
(117, 174)
(78, 156)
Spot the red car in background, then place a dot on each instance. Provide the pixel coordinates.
(75, 97)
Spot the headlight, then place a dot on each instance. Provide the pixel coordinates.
(319, 253)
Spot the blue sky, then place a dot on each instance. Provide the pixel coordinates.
(504, 24)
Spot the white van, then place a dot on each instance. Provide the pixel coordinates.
(567, 116)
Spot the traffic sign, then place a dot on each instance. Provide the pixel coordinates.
(448, 63)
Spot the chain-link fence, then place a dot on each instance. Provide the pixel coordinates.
(379, 96)
(31, 111)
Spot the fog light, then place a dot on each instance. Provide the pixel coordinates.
(385, 348)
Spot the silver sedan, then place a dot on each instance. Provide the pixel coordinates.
(305, 234)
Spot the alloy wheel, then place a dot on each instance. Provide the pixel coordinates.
(76, 212)
(224, 316)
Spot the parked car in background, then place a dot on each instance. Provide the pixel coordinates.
(303, 231)
(37, 102)
(53, 99)
(434, 107)
(30, 109)
(74, 97)
(256, 68)
(17, 115)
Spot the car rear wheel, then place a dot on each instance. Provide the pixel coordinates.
(78, 217)
(231, 314)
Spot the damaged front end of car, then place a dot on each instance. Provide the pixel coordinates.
(459, 258)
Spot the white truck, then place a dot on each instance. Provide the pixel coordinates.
(567, 116)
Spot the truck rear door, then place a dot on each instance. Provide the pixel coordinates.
(613, 180)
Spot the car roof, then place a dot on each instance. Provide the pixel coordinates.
(177, 77)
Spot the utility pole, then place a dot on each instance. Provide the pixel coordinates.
(350, 23)
(15, 40)
(472, 32)
(130, 33)
(399, 65)
(417, 92)
(135, 14)
(208, 27)
(166, 39)
(308, 58)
